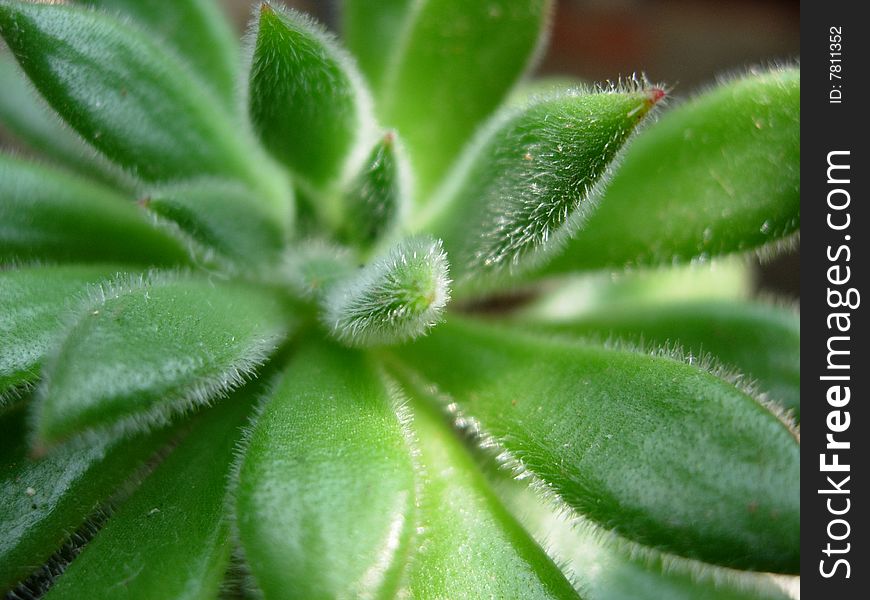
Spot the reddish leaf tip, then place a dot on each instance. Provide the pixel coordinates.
(655, 95)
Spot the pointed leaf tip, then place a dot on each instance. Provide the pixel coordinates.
(440, 67)
(656, 94)
(533, 177)
(397, 297)
(378, 196)
(297, 64)
(718, 174)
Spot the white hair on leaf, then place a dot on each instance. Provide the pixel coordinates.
(395, 298)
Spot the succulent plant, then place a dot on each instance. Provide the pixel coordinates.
(287, 330)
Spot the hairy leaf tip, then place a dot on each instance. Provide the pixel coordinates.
(534, 175)
(296, 62)
(395, 298)
(656, 94)
(377, 198)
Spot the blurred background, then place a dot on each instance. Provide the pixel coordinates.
(681, 42)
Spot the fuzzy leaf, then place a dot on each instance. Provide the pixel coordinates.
(453, 64)
(219, 215)
(33, 303)
(48, 214)
(718, 174)
(325, 495)
(147, 349)
(607, 567)
(377, 197)
(468, 544)
(760, 341)
(171, 539)
(34, 124)
(395, 298)
(657, 450)
(195, 29)
(125, 95)
(305, 99)
(46, 499)
(372, 31)
(532, 178)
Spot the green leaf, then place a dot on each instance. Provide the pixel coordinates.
(196, 30)
(306, 100)
(607, 567)
(33, 304)
(220, 216)
(313, 267)
(660, 451)
(760, 341)
(171, 539)
(395, 298)
(34, 124)
(718, 174)
(468, 544)
(532, 178)
(146, 349)
(377, 198)
(325, 496)
(451, 64)
(372, 31)
(46, 499)
(48, 214)
(728, 278)
(127, 96)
